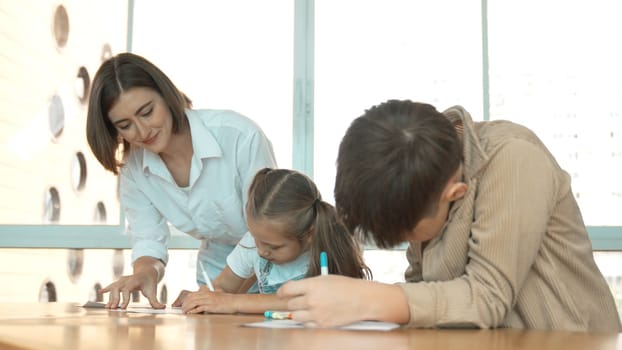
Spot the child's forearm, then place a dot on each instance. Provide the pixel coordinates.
(228, 303)
(258, 303)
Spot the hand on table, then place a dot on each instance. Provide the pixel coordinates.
(124, 286)
(326, 301)
(207, 301)
(183, 294)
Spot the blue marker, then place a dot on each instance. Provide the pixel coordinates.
(323, 263)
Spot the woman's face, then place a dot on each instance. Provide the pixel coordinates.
(273, 243)
(143, 119)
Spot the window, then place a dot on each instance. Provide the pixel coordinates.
(48, 52)
(562, 80)
(234, 54)
(395, 49)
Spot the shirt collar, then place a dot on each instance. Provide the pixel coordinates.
(204, 145)
(203, 141)
(474, 155)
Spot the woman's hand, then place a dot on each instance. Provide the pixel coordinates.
(147, 272)
(330, 301)
(206, 301)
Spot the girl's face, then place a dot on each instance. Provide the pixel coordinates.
(273, 243)
(143, 119)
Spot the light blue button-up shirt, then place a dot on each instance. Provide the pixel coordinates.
(228, 150)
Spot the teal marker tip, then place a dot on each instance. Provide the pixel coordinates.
(323, 263)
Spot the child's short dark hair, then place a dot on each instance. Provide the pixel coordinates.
(393, 164)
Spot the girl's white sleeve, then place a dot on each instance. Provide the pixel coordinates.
(243, 257)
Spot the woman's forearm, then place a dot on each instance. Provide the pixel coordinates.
(149, 265)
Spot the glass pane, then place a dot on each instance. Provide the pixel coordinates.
(234, 54)
(367, 52)
(559, 75)
(49, 53)
(610, 264)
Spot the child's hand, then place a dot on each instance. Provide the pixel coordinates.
(183, 294)
(211, 302)
(180, 299)
(324, 301)
(330, 301)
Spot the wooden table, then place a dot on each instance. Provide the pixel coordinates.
(69, 326)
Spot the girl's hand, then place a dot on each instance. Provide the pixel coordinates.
(211, 302)
(182, 296)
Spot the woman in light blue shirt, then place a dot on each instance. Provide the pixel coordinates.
(179, 166)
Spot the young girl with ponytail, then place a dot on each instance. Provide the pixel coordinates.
(289, 226)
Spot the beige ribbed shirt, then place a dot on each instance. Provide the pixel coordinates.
(514, 251)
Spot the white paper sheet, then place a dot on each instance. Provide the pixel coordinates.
(143, 309)
(358, 326)
(149, 310)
